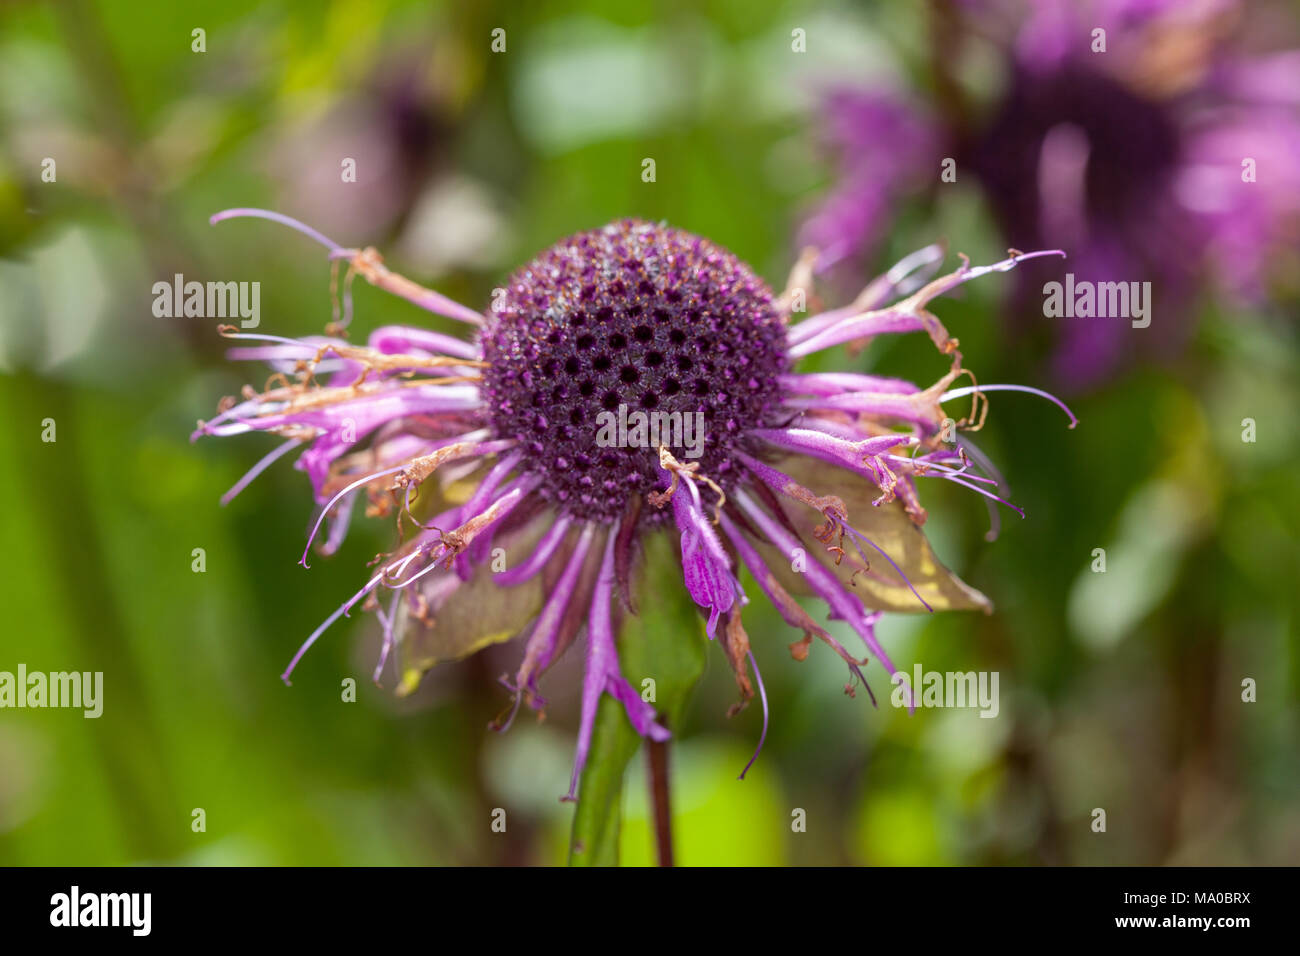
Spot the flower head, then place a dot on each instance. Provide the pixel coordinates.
(488, 449)
(638, 315)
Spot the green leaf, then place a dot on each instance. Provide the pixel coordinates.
(666, 643)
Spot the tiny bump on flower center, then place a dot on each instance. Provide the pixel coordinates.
(637, 315)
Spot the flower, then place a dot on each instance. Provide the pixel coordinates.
(528, 526)
(1169, 156)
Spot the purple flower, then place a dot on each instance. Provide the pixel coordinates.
(1171, 156)
(884, 148)
(515, 520)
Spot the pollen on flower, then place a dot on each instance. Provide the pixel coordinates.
(637, 315)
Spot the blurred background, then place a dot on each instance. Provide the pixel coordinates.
(771, 125)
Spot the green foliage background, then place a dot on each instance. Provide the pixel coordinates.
(1119, 691)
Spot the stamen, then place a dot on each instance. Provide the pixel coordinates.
(455, 542)
(984, 462)
(858, 536)
(370, 264)
(338, 324)
(325, 510)
(339, 525)
(970, 390)
(257, 469)
(848, 607)
(791, 611)
(342, 610)
(250, 213)
(925, 467)
(231, 332)
(987, 494)
(499, 725)
(386, 621)
(762, 696)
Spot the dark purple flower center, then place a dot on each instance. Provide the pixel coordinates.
(636, 315)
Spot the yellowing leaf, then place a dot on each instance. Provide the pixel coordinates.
(477, 614)
(876, 583)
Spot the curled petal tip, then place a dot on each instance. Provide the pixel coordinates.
(1022, 256)
(255, 213)
(972, 389)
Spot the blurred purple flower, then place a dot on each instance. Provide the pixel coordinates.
(884, 149)
(1171, 157)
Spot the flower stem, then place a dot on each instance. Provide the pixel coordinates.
(657, 758)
